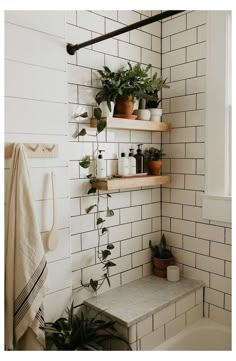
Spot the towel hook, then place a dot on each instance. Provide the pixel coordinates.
(50, 149)
(32, 148)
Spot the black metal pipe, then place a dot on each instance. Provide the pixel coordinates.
(71, 49)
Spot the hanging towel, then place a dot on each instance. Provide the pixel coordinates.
(25, 264)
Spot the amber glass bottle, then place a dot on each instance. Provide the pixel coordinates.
(139, 160)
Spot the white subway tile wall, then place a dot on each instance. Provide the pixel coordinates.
(204, 248)
(137, 212)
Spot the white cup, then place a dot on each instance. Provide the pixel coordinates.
(173, 273)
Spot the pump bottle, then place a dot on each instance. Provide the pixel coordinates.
(101, 166)
(139, 160)
(123, 165)
(132, 163)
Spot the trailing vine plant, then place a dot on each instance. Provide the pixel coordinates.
(102, 253)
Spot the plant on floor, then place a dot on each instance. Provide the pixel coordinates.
(79, 332)
(162, 257)
(103, 254)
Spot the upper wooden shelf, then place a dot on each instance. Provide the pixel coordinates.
(132, 182)
(118, 123)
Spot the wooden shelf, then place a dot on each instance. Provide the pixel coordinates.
(134, 182)
(118, 123)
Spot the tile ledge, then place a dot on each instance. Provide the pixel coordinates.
(114, 302)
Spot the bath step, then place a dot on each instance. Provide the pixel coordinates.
(150, 310)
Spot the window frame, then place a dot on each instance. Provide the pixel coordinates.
(217, 197)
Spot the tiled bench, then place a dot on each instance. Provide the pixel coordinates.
(150, 310)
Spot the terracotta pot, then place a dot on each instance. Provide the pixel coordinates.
(160, 266)
(154, 167)
(124, 105)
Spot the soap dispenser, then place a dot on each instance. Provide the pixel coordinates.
(132, 163)
(101, 165)
(123, 165)
(139, 160)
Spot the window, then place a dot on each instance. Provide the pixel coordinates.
(217, 197)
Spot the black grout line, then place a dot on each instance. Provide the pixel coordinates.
(185, 30)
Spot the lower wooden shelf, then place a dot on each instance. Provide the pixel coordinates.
(135, 182)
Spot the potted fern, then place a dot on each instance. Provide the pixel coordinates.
(79, 332)
(162, 257)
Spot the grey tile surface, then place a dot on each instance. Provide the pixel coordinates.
(136, 300)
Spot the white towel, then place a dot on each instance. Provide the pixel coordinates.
(25, 264)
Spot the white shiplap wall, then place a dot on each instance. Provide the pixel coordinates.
(35, 112)
(201, 247)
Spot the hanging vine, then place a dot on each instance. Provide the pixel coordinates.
(102, 253)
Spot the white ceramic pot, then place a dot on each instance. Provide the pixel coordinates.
(142, 114)
(155, 114)
(105, 110)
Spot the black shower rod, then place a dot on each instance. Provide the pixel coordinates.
(71, 49)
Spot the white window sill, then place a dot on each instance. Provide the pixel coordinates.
(216, 208)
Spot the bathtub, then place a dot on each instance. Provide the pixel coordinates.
(204, 334)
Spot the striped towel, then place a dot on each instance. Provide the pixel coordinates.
(25, 264)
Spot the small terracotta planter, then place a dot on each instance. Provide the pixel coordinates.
(154, 167)
(124, 105)
(160, 266)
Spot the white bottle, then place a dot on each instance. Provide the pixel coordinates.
(132, 163)
(123, 165)
(101, 166)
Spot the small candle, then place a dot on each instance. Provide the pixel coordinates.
(173, 273)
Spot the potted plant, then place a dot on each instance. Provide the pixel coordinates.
(161, 257)
(153, 158)
(109, 92)
(152, 96)
(79, 332)
(123, 87)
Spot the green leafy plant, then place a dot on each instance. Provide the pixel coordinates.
(154, 86)
(123, 83)
(153, 153)
(160, 251)
(79, 332)
(103, 254)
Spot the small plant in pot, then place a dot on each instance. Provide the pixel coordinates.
(132, 83)
(161, 257)
(152, 96)
(110, 90)
(153, 158)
